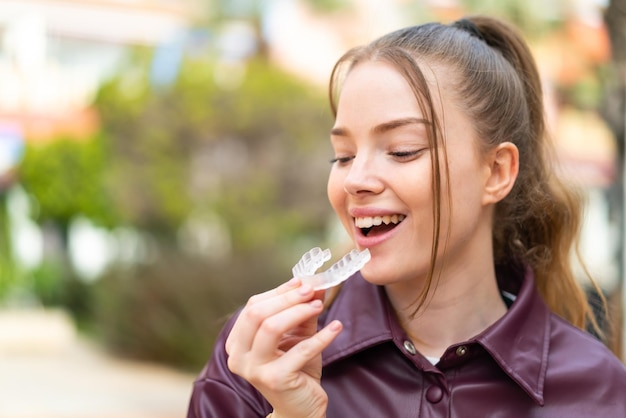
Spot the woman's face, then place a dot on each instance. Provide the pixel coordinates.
(380, 181)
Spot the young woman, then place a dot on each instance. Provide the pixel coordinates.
(468, 306)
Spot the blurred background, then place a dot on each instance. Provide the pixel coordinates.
(162, 160)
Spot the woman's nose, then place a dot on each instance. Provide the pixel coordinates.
(363, 177)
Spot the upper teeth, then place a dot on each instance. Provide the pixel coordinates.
(369, 221)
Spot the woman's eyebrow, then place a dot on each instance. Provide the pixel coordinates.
(397, 123)
(383, 127)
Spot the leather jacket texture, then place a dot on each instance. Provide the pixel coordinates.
(529, 363)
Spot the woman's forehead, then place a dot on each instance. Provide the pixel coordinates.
(387, 84)
(376, 79)
(376, 93)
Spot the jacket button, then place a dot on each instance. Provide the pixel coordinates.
(461, 351)
(434, 394)
(409, 347)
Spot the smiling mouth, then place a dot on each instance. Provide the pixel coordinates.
(375, 225)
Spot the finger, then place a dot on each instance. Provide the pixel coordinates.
(273, 330)
(308, 349)
(319, 294)
(283, 288)
(267, 340)
(289, 285)
(258, 310)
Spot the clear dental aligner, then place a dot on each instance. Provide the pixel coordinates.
(310, 262)
(337, 273)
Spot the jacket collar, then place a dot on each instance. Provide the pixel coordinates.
(513, 341)
(519, 341)
(365, 313)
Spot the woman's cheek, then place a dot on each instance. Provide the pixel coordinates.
(335, 190)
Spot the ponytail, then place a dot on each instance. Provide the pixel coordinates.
(539, 222)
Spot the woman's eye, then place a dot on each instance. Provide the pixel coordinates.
(405, 155)
(341, 160)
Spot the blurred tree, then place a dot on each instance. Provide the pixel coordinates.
(65, 178)
(249, 152)
(241, 145)
(8, 271)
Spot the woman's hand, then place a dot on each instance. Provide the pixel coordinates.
(275, 346)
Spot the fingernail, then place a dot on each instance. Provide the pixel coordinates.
(292, 283)
(316, 303)
(334, 326)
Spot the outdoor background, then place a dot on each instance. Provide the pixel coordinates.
(163, 160)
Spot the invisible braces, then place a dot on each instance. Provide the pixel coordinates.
(337, 273)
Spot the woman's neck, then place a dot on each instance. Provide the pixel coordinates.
(464, 303)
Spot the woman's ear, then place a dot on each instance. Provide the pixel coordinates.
(502, 168)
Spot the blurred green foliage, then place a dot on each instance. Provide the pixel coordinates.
(8, 270)
(65, 179)
(244, 145)
(170, 311)
(65, 175)
(239, 151)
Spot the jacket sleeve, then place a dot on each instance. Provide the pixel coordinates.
(218, 393)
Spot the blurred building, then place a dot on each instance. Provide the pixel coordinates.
(55, 53)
